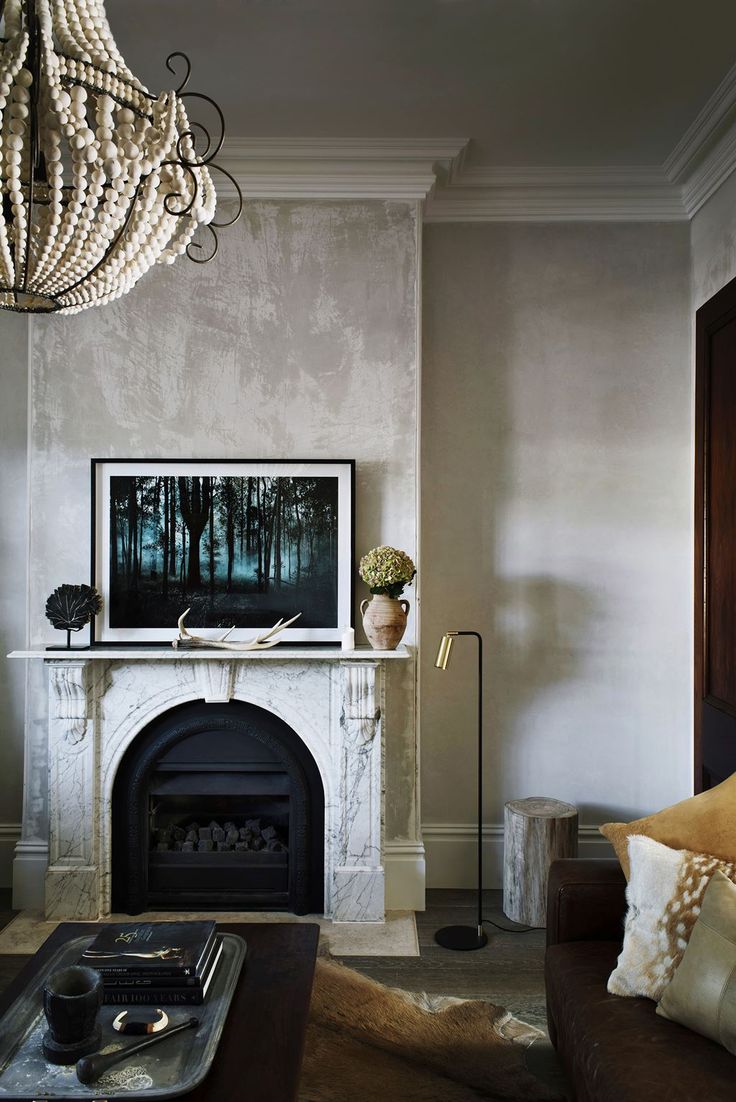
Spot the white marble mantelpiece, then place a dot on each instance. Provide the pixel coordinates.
(100, 699)
(100, 653)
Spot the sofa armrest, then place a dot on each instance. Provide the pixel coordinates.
(586, 900)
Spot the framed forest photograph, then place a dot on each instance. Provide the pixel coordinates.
(240, 543)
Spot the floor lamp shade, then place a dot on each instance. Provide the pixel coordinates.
(467, 937)
(445, 649)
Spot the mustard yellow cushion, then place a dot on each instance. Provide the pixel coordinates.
(705, 823)
(702, 992)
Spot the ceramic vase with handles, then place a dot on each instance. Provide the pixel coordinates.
(384, 620)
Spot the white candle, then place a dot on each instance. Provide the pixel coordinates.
(348, 639)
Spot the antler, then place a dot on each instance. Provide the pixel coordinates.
(260, 642)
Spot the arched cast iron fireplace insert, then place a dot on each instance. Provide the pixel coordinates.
(218, 807)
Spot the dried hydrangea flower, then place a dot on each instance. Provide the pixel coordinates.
(387, 570)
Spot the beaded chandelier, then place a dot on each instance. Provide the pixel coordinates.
(99, 179)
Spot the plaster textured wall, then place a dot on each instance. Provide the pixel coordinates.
(299, 340)
(556, 519)
(713, 238)
(13, 577)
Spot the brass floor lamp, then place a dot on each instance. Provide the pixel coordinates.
(467, 937)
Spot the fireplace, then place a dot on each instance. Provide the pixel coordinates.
(217, 806)
(314, 715)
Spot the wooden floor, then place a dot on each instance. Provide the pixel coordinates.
(508, 971)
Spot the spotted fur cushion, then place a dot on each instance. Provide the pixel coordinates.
(664, 895)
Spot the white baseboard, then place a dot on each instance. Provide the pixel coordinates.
(404, 868)
(447, 859)
(29, 875)
(452, 855)
(405, 872)
(9, 837)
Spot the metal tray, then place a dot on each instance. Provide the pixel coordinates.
(163, 1071)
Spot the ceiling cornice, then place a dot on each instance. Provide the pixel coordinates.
(436, 170)
(340, 168)
(711, 172)
(570, 194)
(704, 132)
(705, 156)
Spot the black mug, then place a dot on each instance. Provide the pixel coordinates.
(71, 1002)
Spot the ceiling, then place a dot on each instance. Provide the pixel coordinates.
(532, 82)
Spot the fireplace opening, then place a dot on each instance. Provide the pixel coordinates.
(218, 806)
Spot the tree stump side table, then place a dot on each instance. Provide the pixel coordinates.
(536, 831)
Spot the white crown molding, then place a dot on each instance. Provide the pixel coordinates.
(705, 156)
(703, 132)
(711, 172)
(339, 168)
(435, 170)
(551, 194)
(587, 176)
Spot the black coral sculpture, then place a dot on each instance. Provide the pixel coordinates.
(70, 607)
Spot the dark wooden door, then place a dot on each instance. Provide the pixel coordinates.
(715, 540)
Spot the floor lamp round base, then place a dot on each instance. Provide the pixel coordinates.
(463, 938)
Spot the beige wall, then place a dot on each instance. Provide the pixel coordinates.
(556, 519)
(556, 468)
(299, 340)
(13, 576)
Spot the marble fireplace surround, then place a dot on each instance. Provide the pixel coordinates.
(99, 700)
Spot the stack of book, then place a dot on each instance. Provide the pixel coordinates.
(155, 963)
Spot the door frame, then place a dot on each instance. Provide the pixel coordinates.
(711, 316)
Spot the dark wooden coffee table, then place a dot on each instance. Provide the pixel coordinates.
(260, 1052)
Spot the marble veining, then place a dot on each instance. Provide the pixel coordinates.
(335, 706)
(69, 703)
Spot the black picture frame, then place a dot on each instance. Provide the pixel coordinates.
(311, 566)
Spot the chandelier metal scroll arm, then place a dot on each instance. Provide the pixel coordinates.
(172, 69)
(192, 137)
(208, 138)
(171, 195)
(211, 153)
(239, 193)
(196, 245)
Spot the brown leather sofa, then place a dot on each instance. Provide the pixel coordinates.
(615, 1049)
